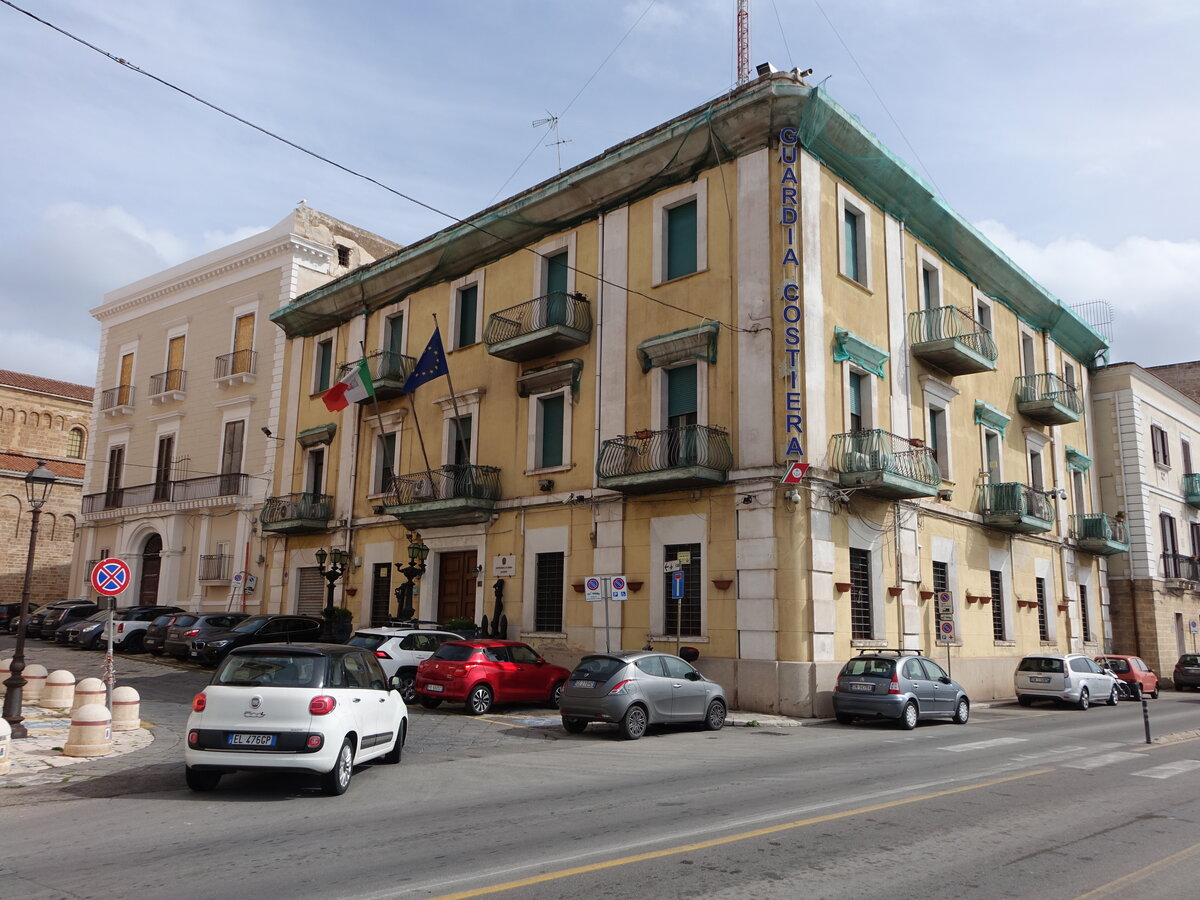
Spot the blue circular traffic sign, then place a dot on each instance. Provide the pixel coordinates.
(947, 628)
(110, 577)
(593, 584)
(618, 583)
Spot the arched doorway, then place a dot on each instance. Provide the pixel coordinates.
(151, 561)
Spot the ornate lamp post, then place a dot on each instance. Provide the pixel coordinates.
(337, 565)
(417, 554)
(38, 484)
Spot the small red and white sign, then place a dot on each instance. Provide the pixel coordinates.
(110, 577)
(795, 473)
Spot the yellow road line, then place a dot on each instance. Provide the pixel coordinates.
(731, 839)
(1139, 874)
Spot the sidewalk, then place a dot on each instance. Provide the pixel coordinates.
(38, 759)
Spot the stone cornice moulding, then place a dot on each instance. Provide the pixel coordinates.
(469, 397)
(938, 388)
(246, 400)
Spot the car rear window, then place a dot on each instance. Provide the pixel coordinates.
(1040, 664)
(366, 641)
(454, 653)
(870, 666)
(597, 668)
(162, 621)
(271, 670)
(1189, 659)
(184, 621)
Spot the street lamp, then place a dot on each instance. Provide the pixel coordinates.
(337, 565)
(38, 484)
(417, 554)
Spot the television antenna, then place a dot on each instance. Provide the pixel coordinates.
(552, 121)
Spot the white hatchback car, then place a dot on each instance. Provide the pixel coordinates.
(1067, 677)
(319, 708)
(401, 650)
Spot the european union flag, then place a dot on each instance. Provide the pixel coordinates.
(431, 365)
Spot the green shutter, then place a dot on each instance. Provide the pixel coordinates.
(855, 394)
(681, 392)
(468, 312)
(324, 364)
(552, 432)
(851, 248)
(395, 334)
(681, 240)
(556, 273)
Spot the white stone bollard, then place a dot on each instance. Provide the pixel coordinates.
(126, 709)
(89, 690)
(35, 683)
(59, 692)
(5, 742)
(91, 732)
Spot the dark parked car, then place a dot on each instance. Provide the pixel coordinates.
(85, 634)
(33, 628)
(155, 636)
(57, 616)
(189, 627)
(131, 623)
(255, 630)
(8, 616)
(1187, 672)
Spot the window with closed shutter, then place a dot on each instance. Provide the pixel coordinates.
(310, 592)
(550, 449)
(681, 240)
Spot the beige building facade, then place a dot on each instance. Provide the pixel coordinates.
(184, 430)
(640, 349)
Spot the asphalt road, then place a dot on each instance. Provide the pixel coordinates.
(1043, 803)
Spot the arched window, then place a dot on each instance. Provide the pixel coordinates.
(75, 443)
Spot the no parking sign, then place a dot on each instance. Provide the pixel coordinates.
(110, 577)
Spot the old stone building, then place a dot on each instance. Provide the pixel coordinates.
(40, 418)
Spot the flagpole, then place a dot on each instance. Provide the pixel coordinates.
(412, 402)
(457, 417)
(387, 461)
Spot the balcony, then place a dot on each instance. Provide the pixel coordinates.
(1099, 534)
(216, 567)
(1179, 568)
(117, 401)
(168, 385)
(125, 497)
(389, 371)
(951, 340)
(239, 367)
(1016, 507)
(210, 487)
(1191, 489)
(451, 495)
(296, 513)
(885, 464)
(558, 321)
(648, 462)
(1048, 399)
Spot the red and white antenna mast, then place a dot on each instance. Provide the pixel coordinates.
(743, 41)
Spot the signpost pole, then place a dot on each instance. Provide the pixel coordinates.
(110, 672)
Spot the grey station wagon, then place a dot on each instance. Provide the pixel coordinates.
(888, 683)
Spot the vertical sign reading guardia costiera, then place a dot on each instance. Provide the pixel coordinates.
(790, 310)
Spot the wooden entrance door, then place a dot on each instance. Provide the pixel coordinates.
(151, 561)
(456, 586)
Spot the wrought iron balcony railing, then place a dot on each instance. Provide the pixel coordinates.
(240, 362)
(1191, 488)
(1099, 533)
(557, 321)
(1016, 507)
(122, 395)
(233, 484)
(450, 482)
(230, 484)
(937, 330)
(877, 454)
(1048, 397)
(216, 567)
(165, 382)
(389, 371)
(648, 451)
(296, 512)
(1179, 566)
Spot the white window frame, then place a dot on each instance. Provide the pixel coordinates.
(244, 308)
(534, 417)
(476, 280)
(658, 397)
(306, 486)
(378, 483)
(678, 530)
(1043, 569)
(1163, 462)
(984, 433)
(314, 381)
(984, 309)
(945, 550)
(1000, 561)
(540, 269)
(861, 537)
(666, 201)
(542, 540)
(392, 424)
(1024, 334)
(468, 405)
(938, 395)
(927, 262)
(846, 200)
(1039, 443)
(868, 396)
(1078, 500)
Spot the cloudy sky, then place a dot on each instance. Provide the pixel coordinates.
(1065, 130)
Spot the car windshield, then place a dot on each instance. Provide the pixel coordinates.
(1120, 666)
(271, 669)
(366, 641)
(455, 652)
(871, 666)
(597, 668)
(1040, 664)
(251, 625)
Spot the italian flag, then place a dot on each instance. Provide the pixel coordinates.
(354, 388)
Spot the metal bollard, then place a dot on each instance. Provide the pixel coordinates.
(126, 706)
(5, 740)
(89, 690)
(91, 732)
(35, 682)
(59, 692)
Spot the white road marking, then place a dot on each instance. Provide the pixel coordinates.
(1168, 770)
(984, 745)
(1105, 759)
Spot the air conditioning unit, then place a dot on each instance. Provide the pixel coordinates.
(423, 490)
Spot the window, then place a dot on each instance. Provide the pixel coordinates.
(385, 463)
(162, 468)
(930, 281)
(1028, 355)
(1035, 469)
(1160, 447)
(1172, 567)
(460, 440)
(861, 625)
(112, 480)
(550, 433)
(1043, 617)
(991, 455)
(681, 240)
(1078, 494)
(343, 255)
(1068, 373)
(941, 576)
(855, 384)
(1185, 455)
(323, 366)
(393, 337)
(1194, 529)
(174, 373)
(682, 615)
(548, 592)
(75, 443)
(999, 632)
(938, 396)
(938, 440)
(983, 311)
(854, 257)
(125, 385)
(1085, 615)
(466, 315)
(231, 447)
(315, 482)
(243, 345)
(852, 241)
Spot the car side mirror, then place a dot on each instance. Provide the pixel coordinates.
(540, 661)
(693, 676)
(945, 679)
(394, 683)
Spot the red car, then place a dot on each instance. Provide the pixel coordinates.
(1132, 669)
(483, 672)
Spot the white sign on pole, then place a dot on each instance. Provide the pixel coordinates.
(591, 589)
(946, 632)
(945, 604)
(672, 565)
(620, 590)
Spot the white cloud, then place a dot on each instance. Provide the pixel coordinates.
(1151, 284)
(51, 357)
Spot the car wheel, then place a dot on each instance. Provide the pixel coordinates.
(1154, 693)
(479, 701)
(844, 719)
(962, 712)
(1114, 696)
(136, 642)
(1179, 687)
(336, 780)
(634, 722)
(714, 719)
(908, 718)
(156, 651)
(392, 757)
(201, 781)
(429, 702)
(1084, 699)
(408, 688)
(1024, 701)
(556, 693)
(574, 726)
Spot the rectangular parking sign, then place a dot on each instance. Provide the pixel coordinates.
(676, 585)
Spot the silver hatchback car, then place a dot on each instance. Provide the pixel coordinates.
(1066, 677)
(891, 683)
(639, 688)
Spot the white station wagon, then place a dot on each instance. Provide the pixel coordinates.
(316, 708)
